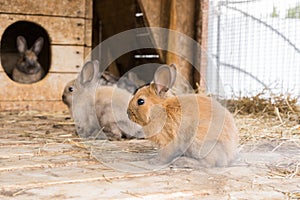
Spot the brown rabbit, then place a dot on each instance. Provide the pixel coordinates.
(28, 69)
(192, 125)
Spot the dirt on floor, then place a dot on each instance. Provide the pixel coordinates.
(42, 158)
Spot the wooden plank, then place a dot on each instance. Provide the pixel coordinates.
(48, 89)
(178, 16)
(29, 154)
(108, 184)
(67, 58)
(88, 32)
(45, 105)
(89, 9)
(61, 30)
(202, 38)
(74, 8)
(59, 178)
(182, 22)
(87, 53)
(57, 169)
(154, 17)
(116, 16)
(152, 14)
(59, 159)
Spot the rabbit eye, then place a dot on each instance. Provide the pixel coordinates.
(140, 102)
(71, 89)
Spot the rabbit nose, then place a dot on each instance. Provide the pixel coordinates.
(32, 62)
(63, 97)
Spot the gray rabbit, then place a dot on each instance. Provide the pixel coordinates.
(108, 79)
(28, 69)
(99, 111)
(130, 82)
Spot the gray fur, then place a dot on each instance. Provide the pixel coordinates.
(99, 111)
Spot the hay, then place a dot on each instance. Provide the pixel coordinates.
(285, 170)
(40, 127)
(269, 123)
(266, 118)
(283, 106)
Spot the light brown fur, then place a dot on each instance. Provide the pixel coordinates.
(192, 125)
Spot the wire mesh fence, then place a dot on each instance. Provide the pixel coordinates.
(254, 45)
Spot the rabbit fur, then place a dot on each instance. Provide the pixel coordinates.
(28, 69)
(99, 109)
(192, 125)
(128, 82)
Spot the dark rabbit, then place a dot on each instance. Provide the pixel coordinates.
(99, 111)
(28, 69)
(192, 125)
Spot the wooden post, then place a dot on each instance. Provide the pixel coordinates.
(190, 18)
(175, 15)
(201, 36)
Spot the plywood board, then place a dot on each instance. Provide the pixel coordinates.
(156, 15)
(41, 158)
(56, 105)
(67, 58)
(88, 9)
(116, 16)
(48, 89)
(178, 16)
(69, 31)
(88, 32)
(74, 8)
(202, 38)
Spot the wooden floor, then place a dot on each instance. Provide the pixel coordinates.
(41, 158)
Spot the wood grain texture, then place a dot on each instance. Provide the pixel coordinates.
(69, 31)
(48, 89)
(42, 158)
(202, 38)
(32, 105)
(74, 8)
(178, 16)
(153, 17)
(67, 58)
(69, 26)
(88, 9)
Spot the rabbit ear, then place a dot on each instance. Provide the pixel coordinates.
(38, 45)
(164, 78)
(89, 72)
(21, 44)
(96, 70)
(109, 77)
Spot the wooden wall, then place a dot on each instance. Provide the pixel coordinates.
(69, 26)
(187, 17)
